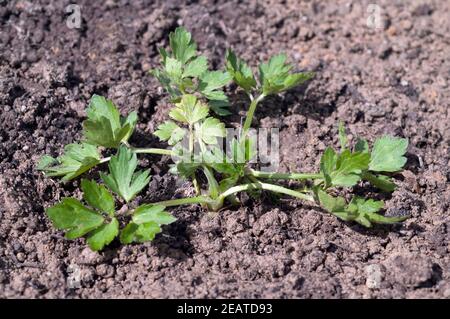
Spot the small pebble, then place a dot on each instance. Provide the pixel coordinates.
(374, 275)
(21, 257)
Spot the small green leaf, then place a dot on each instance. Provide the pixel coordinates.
(210, 129)
(349, 167)
(177, 135)
(129, 123)
(240, 71)
(165, 130)
(104, 126)
(127, 235)
(103, 235)
(123, 180)
(174, 69)
(327, 164)
(330, 203)
(196, 67)
(77, 159)
(359, 209)
(362, 206)
(220, 107)
(211, 81)
(99, 107)
(139, 233)
(97, 196)
(334, 205)
(274, 76)
(387, 154)
(99, 133)
(72, 216)
(171, 132)
(189, 110)
(382, 182)
(380, 219)
(152, 213)
(296, 79)
(147, 232)
(186, 169)
(171, 88)
(275, 69)
(362, 146)
(342, 136)
(45, 162)
(366, 211)
(182, 45)
(210, 86)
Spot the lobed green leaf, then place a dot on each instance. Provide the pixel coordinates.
(171, 132)
(98, 197)
(210, 129)
(275, 76)
(182, 45)
(152, 213)
(139, 233)
(104, 126)
(103, 235)
(189, 110)
(77, 159)
(123, 180)
(73, 217)
(240, 71)
(387, 154)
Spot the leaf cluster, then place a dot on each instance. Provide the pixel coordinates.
(218, 170)
(275, 76)
(103, 128)
(99, 221)
(349, 167)
(183, 71)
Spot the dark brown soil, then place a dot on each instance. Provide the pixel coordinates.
(390, 80)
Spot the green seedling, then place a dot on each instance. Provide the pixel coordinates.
(194, 134)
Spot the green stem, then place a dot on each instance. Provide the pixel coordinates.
(268, 175)
(250, 114)
(105, 159)
(265, 186)
(218, 203)
(191, 142)
(213, 186)
(158, 151)
(191, 157)
(185, 201)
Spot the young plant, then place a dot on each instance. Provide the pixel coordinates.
(274, 77)
(218, 171)
(183, 71)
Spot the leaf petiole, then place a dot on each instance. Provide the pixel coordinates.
(157, 151)
(105, 159)
(185, 201)
(268, 187)
(251, 113)
(297, 176)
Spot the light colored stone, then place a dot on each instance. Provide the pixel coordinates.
(374, 274)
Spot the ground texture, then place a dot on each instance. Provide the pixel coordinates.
(394, 79)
